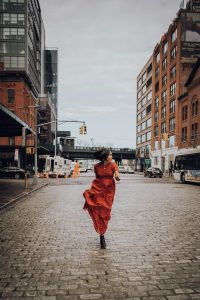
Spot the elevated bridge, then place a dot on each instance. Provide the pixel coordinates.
(87, 153)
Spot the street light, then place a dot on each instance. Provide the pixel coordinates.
(35, 154)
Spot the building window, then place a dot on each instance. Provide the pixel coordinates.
(158, 57)
(163, 112)
(164, 80)
(139, 105)
(144, 138)
(156, 116)
(184, 112)
(172, 106)
(143, 114)
(149, 82)
(164, 96)
(195, 108)
(143, 101)
(149, 96)
(148, 109)
(144, 76)
(174, 35)
(173, 72)
(173, 89)
(138, 128)
(172, 124)
(11, 96)
(194, 133)
(164, 63)
(184, 134)
(139, 94)
(157, 87)
(144, 89)
(148, 136)
(138, 117)
(156, 102)
(157, 71)
(138, 139)
(143, 126)
(148, 123)
(149, 68)
(163, 127)
(165, 47)
(173, 53)
(156, 131)
(139, 82)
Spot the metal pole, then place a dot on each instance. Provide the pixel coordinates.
(55, 137)
(35, 179)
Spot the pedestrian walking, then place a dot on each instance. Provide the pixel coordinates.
(76, 171)
(171, 168)
(99, 198)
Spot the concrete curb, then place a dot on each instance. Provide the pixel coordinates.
(21, 196)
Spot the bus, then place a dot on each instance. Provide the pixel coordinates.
(187, 165)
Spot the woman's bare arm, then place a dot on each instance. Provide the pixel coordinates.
(117, 176)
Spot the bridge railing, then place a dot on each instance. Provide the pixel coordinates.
(98, 148)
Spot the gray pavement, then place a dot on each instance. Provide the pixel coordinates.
(49, 249)
(12, 190)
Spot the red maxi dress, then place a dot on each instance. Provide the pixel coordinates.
(99, 198)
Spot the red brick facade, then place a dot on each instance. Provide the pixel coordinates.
(16, 96)
(168, 84)
(189, 111)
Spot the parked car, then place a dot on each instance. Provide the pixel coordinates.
(13, 172)
(130, 170)
(122, 169)
(153, 172)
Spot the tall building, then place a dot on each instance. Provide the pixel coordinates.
(172, 61)
(22, 74)
(51, 75)
(144, 119)
(20, 39)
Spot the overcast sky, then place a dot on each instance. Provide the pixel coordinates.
(103, 45)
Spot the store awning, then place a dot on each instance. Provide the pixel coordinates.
(10, 124)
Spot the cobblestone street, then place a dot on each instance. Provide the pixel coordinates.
(49, 249)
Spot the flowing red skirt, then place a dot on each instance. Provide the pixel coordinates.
(98, 202)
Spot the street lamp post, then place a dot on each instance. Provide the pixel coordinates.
(35, 179)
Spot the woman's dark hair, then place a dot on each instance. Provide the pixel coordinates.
(102, 154)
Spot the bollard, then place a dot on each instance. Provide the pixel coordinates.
(26, 181)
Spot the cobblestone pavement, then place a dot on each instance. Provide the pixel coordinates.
(49, 249)
(12, 189)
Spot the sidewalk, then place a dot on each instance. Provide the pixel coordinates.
(12, 190)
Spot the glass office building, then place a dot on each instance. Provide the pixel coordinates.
(51, 74)
(20, 38)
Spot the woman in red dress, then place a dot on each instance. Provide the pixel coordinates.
(99, 199)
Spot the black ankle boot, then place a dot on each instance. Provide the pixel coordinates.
(102, 242)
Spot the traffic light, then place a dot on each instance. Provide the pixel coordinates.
(85, 129)
(81, 130)
(166, 136)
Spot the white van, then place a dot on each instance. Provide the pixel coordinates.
(57, 166)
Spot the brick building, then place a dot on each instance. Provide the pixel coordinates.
(144, 120)
(189, 110)
(173, 59)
